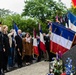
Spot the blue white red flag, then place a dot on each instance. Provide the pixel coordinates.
(15, 29)
(74, 3)
(42, 42)
(35, 44)
(61, 38)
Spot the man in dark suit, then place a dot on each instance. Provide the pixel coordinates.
(19, 48)
(47, 44)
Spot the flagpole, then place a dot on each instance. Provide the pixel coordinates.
(73, 40)
(33, 41)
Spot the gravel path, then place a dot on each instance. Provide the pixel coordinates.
(40, 68)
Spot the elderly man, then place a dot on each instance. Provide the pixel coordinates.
(19, 47)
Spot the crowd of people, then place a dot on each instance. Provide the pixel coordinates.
(14, 49)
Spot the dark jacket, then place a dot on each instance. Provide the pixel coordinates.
(6, 44)
(1, 41)
(47, 42)
(19, 42)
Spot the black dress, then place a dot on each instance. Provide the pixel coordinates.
(7, 51)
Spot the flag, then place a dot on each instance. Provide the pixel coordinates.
(61, 38)
(74, 3)
(72, 21)
(57, 19)
(35, 44)
(15, 29)
(42, 42)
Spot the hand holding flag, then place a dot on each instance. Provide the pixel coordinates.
(35, 45)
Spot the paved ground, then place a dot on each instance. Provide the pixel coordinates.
(40, 68)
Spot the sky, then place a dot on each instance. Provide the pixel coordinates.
(18, 5)
(66, 2)
(13, 5)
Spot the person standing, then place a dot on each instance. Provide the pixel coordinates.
(1, 49)
(12, 48)
(47, 44)
(7, 48)
(19, 47)
(40, 51)
(27, 48)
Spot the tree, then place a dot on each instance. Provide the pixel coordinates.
(43, 9)
(24, 24)
(8, 20)
(4, 12)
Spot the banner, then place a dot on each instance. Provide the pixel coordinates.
(61, 38)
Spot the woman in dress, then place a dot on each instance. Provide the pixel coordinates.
(6, 47)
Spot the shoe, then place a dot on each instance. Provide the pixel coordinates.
(2, 72)
(34, 58)
(19, 66)
(7, 70)
(27, 64)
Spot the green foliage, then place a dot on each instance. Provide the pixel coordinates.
(43, 9)
(4, 12)
(35, 11)
(25, 25)
(73, 10)
(56, 66)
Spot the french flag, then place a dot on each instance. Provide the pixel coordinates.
(74, 3)
(42, 42)
(61, 38)
(72, 21)
(35, 44)
(15, 29)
